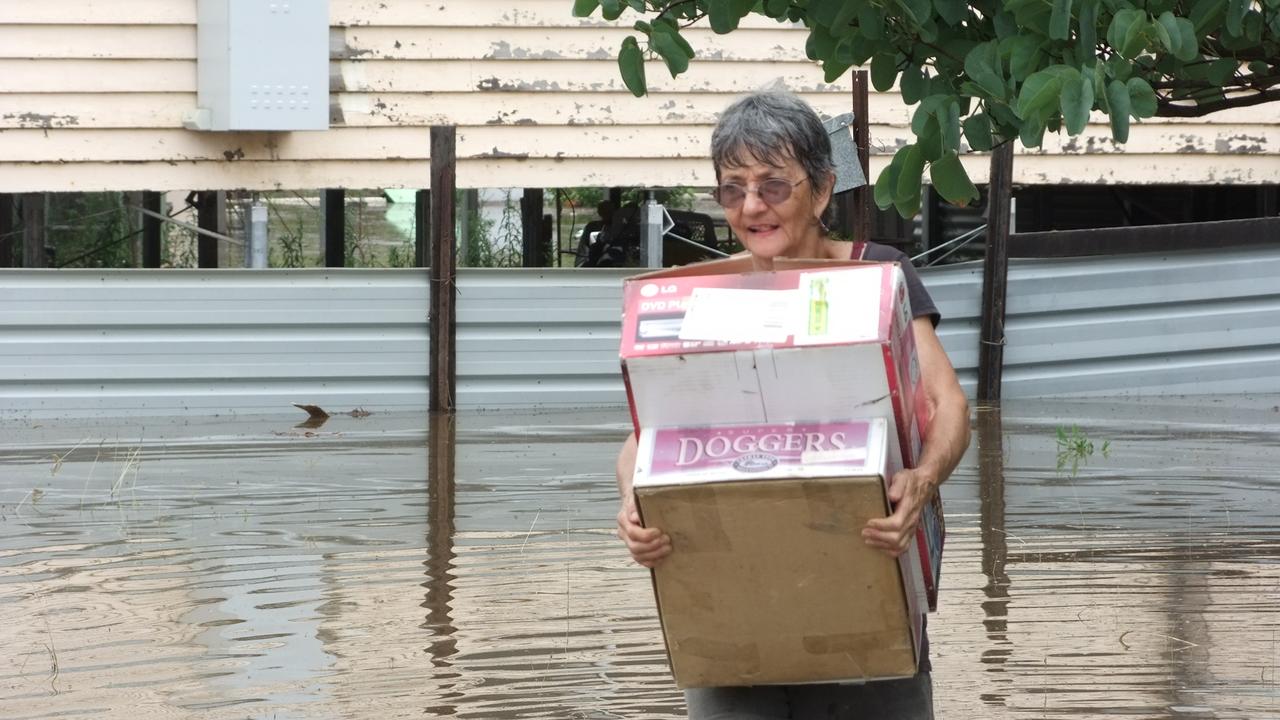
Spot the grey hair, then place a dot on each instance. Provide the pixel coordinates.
(773, 127)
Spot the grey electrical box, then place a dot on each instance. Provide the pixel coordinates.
(263, 65)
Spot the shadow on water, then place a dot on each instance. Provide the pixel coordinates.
(466, 567)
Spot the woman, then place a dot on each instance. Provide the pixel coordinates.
(774, 176)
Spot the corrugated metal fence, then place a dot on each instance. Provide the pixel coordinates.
(76, 343)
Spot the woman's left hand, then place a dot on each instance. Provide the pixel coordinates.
(908, 492)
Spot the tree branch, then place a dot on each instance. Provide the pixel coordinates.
(1171, 110)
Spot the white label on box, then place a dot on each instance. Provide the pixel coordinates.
(740, 316)
(839, 307)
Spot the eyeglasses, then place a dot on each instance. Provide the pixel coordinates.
(772, 192)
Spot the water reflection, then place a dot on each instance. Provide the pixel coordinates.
(441, 478)
(995, 540)
(388, 567)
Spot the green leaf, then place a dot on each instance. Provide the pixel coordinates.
(1168, 33)
(611, 9)
(1118, 100)
(820, 45)
(887, 183)
(1087, 38)
(776, 8)
(1031, 134)
(952, 12)
(722, 16)
(912, 85)
(1077, 101)
(1135, 39)
(1024, 56)
(949, 121)
(884, 69)
(1205, 14)
(870, 21)
(906, 197)
(1039, 94)
(1221, 70)
(1142, 99)
(584, 8)
(977, 132)
(1187, 46)
(1060, 20)
(929, 139)
(916, 10)
(928, 108)
(631, 65)
(1120, 24)
(981, 65)
(637, 5)
(1236, 10)
(848, 11)
(833, 69)
(824, 12)
(952, 181)
(665, 44)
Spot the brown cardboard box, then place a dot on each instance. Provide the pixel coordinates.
(769, 580)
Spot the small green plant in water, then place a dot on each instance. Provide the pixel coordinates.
(1074, 448)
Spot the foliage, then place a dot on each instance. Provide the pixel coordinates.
(1074, 448)
(992, 71)
(91, 230)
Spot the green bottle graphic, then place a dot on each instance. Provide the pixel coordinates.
(818, 307)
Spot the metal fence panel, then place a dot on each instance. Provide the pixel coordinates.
(83, 343)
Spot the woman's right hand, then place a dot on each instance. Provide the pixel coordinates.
(646, 545)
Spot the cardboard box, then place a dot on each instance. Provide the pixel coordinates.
(770, 581)
(813, 341)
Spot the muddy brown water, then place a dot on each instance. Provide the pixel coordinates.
(250, 569)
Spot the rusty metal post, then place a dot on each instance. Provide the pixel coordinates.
(33, 231)
(995, 275)
(860, 210)
(444, 274)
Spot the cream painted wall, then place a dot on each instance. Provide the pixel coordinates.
(92, 95)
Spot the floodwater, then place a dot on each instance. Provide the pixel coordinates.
(369, 568)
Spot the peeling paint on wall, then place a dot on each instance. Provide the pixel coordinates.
(1240, 145)
(34, 120)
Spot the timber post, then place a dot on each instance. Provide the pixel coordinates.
(421, 228)
(335, 228)
(443, 274)
(210, 205)
(7, 232)
(152, 201)
(995, 275)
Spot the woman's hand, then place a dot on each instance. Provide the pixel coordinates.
(909, 490)
(646, 545)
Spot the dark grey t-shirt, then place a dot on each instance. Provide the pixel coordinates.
(921, 304)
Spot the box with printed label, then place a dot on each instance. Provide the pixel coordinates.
(771, 581)
(811, 341)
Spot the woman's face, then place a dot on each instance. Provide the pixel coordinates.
(778, 216)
